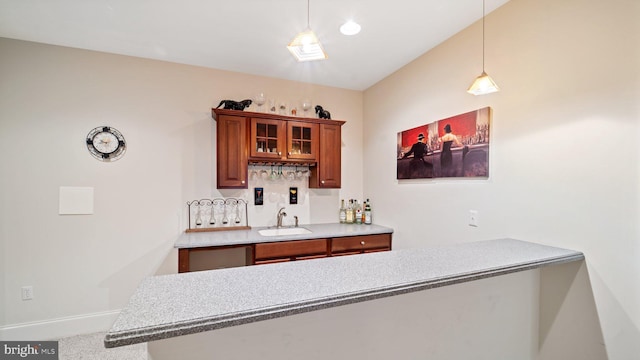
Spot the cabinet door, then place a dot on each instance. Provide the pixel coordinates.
(267, 140)
(302, 140)
(232, 152)
(327, 173)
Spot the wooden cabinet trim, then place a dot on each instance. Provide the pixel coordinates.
(272, 261)
(216, 112)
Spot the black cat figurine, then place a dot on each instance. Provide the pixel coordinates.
(235, 105)
(322, 113)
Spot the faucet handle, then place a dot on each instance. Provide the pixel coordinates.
(296, 220)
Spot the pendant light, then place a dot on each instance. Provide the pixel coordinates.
(483, 84)
(306, 46)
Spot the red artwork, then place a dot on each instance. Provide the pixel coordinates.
(453, 147)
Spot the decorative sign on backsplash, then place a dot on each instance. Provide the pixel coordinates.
(454, 147)
(217, 214)
(258, 196)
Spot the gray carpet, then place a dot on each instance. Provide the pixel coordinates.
(91, 347)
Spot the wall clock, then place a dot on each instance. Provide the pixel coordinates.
(106, 143)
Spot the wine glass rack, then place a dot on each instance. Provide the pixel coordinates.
(219, 214)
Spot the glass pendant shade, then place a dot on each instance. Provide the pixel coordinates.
(482, 85)
(306, 47)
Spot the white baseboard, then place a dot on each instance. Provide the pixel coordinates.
(54, 329)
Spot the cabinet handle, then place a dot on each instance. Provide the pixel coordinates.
(242, 182)
(289, 153)
(322, 181)
(279, 153)
(361, 242)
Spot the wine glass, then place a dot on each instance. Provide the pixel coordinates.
(260, 100)
(254, 174)
(306, 105)
(282, 108)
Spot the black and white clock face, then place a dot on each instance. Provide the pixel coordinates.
(106, 143)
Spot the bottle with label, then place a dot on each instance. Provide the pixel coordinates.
(343, 213)
(367, 213)
(358, 213)
(350, 214)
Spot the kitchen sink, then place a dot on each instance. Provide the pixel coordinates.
(284, 231)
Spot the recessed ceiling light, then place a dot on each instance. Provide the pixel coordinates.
(350, 28)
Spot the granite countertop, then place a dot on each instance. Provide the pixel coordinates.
(252, 236)
(180, 304)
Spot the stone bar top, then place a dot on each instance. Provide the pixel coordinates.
(180, 304)
(252, 236)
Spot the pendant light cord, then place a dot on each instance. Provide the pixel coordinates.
(308, 4)
(483, 16)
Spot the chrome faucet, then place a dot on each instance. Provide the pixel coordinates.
(281, 213)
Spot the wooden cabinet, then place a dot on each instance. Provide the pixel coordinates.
(268, 253)
(232, 159)
(280, 140)
(360, 244)
(247, 137)
(268, 139)
(295, 250)
(290, 250)
(302, 140)
(327, 174)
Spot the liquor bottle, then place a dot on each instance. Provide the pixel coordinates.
(367, 213)
(343, 213)
(350, 214)
(358, 213)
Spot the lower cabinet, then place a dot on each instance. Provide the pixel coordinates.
(360, 244)
(283, 251)
(268, 253)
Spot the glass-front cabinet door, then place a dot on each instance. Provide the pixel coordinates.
(267, 139)
(302, 140)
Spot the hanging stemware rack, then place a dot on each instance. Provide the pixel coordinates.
(219, 214)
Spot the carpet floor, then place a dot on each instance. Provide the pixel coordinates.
(91, 347)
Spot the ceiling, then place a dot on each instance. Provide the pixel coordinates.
(250, 36)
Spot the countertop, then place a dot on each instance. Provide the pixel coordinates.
(252, 236)
(179, 304)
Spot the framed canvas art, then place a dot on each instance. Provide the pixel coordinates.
(453, 147)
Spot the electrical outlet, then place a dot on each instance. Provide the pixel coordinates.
(473, 218)
(27, 293)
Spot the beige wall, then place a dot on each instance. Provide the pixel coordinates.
(564, 143)
(50, 98)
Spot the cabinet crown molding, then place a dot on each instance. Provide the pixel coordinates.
(215, 112)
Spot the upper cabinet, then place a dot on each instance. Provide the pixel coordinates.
(326, 174)
(282, 140)
(302, 140)
(246, 137)
(268, 139)
(232, 152)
